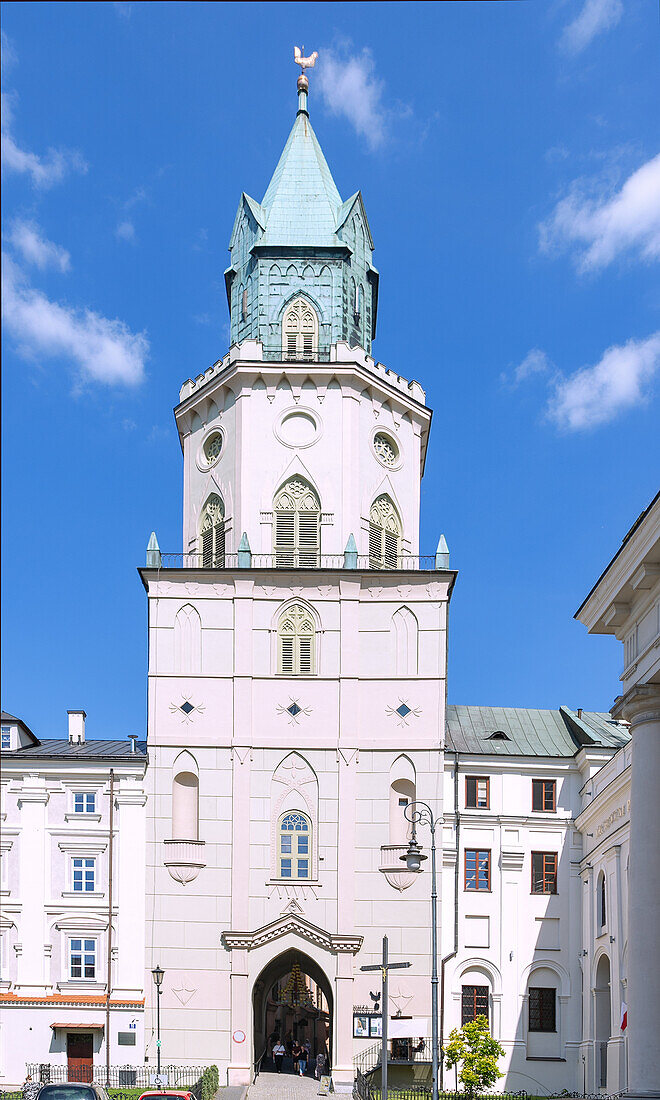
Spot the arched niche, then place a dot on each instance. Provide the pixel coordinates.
(185, 798)
(187, 640)
(405, 642)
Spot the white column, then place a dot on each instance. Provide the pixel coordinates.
(33, 854)
(641, 707)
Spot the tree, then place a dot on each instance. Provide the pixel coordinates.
(477, 1051)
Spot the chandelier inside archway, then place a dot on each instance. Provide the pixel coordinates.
(295, 993)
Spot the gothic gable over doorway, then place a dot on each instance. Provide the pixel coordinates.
(291, 922)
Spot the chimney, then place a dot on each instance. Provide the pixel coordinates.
(132, 737)
(579, 712)
(76, 727)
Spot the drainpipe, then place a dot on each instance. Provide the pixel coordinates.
(109, 944)
(452, 954)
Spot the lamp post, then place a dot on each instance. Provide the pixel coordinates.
(420, 813)
(158, 976)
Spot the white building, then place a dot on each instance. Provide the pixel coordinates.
(55, 843)
(622, 910)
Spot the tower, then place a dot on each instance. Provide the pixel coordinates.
(297, 650)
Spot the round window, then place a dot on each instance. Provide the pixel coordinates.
(386, 449)
(298, 428)
(213, 447)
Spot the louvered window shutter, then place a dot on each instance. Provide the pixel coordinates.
(286, 654)
(219, 555)
(308, 345)
(305, 654)
(308, 538)
(285, 538)
(375, 546)
(291, 345)
(391, 547)
(207, 548)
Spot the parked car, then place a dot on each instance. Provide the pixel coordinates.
(70, 1090)
(165, 1094)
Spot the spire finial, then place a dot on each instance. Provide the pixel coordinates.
(303, 82)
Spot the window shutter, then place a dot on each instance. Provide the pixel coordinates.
(308, 345)
(284, 538)
(305, 655)
(375, 548)
(391, 550)
(308, 538)
(286, 654)
(219, 557)
(291, 345)
(207, 548)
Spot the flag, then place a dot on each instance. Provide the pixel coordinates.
(624, 1015)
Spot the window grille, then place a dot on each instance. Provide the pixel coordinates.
(296, 642)
(213, 447)
(300, 331)
(386, 449)
(544, 872)
(477, 792)
(544, 795)
(384, 534)
(542, 1009)
(82, 958)
(294, 846)
(212, 533)
(474, 1002)
(297, 527)
(477, 869)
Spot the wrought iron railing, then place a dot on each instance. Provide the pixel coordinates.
(365, 1089)
(179, 1077)
(245, 559)
(277, 355)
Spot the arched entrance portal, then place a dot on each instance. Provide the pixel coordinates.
(292, 1000)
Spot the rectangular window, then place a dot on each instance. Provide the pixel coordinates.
(542, 1011)
(285, 868)
(474, 1002)
(82, 959)
(84, 802)
(544, 795)
(6, 737)
(477, 869)
(84, 875)
(477, 792)
(303, 868)
(544, 872)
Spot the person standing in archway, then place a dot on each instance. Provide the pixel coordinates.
(302, 1060)
(279, 1050)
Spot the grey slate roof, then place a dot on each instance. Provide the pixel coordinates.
(88, 750)
(530, 732)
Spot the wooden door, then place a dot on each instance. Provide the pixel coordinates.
(80, 1056)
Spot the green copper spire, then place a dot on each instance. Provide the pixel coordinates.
(302, 241)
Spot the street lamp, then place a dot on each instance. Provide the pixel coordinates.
(158, 976)
(420, 813)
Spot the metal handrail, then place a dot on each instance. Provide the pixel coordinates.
(257, 1063)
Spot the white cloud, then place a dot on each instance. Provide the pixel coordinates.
(596, 395)
(350, 87)
(603, 227)
(35, 249)
(103, 350)
(125, 231)
(535, 362)
(596, 17)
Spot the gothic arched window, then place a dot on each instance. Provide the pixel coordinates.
(602, 901)
(212, 533)
(384, 534)
(297, 528)
(294, 845)
(300, 331)
(296, 634)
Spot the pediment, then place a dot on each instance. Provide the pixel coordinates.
(292, 923)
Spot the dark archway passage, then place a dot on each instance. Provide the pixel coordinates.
(292, 1001)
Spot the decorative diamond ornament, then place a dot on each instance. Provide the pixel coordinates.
(403, 710)
(294, 710)
(186, 707)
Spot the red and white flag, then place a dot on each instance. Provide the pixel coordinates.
(624, 1015)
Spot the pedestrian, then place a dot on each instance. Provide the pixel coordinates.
(30, 1088)
(302, 1061)
(279, 1050)
(295, 1054)
(320, 1066)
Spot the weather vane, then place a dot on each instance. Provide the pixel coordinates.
(304, 62)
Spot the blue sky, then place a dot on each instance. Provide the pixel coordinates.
(508, 158)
